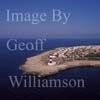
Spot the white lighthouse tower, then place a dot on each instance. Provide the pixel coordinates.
(51, 62)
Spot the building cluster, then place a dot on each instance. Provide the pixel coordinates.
(72, 53)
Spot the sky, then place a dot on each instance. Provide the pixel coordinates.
(84, 21)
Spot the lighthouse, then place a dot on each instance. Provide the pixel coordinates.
(51, 62)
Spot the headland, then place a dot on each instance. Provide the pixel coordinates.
(53, 61)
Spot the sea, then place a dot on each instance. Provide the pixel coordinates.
(11, 61)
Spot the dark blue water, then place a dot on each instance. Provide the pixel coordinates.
(10, 62)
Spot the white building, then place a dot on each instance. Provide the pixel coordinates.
(51, 62)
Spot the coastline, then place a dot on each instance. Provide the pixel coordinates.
(37, 65)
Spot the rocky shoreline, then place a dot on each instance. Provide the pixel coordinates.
(64, 58)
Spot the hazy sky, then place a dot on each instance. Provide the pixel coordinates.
(84, 21)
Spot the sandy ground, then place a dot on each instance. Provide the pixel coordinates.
(36, 65)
